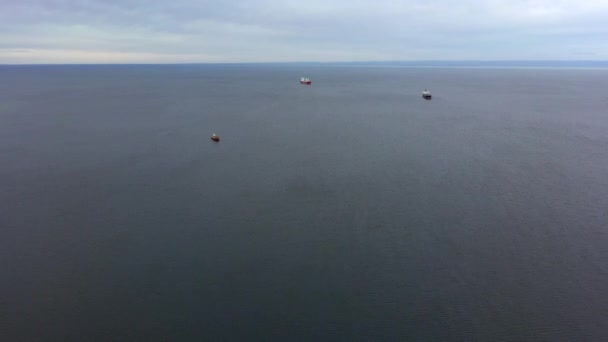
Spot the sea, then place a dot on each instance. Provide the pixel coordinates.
(348, 210)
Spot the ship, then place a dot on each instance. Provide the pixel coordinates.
(426, 94)
(305, 80)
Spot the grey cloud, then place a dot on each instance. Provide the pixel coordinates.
(265, 30)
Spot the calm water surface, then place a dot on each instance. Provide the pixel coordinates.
(349, 210)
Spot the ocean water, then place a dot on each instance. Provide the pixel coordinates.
(349, 210)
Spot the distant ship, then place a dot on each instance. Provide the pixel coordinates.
(305, 80)
(426, 94)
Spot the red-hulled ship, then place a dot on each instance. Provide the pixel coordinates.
(305, 80)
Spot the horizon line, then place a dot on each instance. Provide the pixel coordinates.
(558, 61)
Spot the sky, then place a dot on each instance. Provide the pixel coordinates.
(233, 31)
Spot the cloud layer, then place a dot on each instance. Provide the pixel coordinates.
(190, 31)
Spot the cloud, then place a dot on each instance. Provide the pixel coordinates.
(314, 30)
(54, 56)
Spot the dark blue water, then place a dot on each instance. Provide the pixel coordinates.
(349, 210)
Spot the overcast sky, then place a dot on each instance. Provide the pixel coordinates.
(189, 31)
